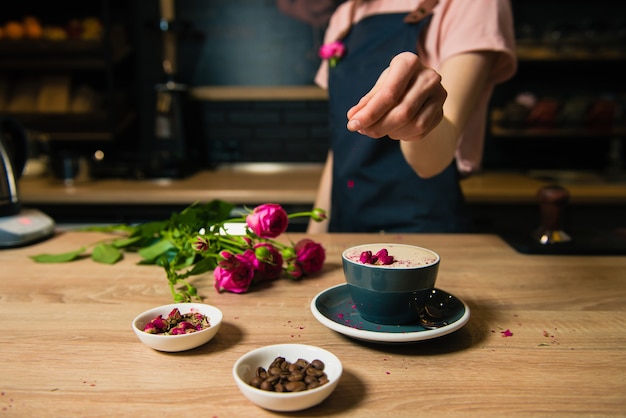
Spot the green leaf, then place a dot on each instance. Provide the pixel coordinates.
(58, 258)
(109, 228)
(106, 253)
(156, 249)
(150, 230)
(202, 266)
(181, 262)
(125, 242)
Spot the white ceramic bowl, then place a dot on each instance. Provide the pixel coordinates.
(172, 343)
(245, 368)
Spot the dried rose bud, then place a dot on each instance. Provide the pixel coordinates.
(367, 257)
(151, 329)
(384, 257)
(175, 315)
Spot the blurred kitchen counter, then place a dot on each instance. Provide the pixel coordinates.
(497, 200)
(296, 184)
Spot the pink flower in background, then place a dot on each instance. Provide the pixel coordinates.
(202, 238)
(310, 255)
(268, 220)
(242, 261)
(332, 52)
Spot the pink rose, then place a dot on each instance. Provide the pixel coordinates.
(268, 220)
(332, 50)
(294, 271)
(318, 215)
(268, 261)
(310, 255)
(226, 260)
(237, 277)
(201, 244)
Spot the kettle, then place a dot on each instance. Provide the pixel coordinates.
(18, 226)
(13, 154)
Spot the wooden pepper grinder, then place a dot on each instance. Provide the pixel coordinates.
(552, 201)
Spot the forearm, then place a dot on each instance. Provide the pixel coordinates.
(322, 199)
(432, 154)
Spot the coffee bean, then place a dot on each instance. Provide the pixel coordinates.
(312, 371)
(265, 385)
(318, 364)
(295, 376)
(256, 381)
(313, 385)
(283, 376)
(261, 373)
(274, 371)
(295, 386)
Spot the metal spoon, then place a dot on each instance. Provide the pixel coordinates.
(440, 309)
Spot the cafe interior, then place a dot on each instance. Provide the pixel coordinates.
(132, 110)
(136, 94)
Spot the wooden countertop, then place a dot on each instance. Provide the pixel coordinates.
(68, 349)
(287, 184)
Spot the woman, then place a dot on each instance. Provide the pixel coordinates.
(408, 106)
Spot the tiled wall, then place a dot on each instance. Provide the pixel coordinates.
(246, 43)
(251, 43)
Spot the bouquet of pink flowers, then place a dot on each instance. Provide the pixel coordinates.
(196, 241)
(256, 257)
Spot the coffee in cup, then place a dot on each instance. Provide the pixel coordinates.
(390, 283)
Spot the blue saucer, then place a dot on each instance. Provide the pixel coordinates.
(334, 308)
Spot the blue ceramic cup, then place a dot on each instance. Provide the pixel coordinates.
(390, 294)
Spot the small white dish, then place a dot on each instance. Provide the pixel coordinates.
(334, 309)
(246, 366)
(182, 342)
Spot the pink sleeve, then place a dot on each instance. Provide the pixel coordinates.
(460, 26)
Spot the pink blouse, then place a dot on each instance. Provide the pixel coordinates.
(457, 26)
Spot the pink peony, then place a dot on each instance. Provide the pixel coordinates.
(310, 255)
(268, 220)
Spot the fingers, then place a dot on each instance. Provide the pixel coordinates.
(405, 103)
(419, 113)
(366, 99)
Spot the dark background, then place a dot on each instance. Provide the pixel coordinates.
(251, 43)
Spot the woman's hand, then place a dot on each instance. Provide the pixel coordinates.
(405, 103)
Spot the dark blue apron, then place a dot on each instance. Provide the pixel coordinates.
(374, 189)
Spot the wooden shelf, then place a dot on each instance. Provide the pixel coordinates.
(542, 52)
(576, 132)
(266, 93)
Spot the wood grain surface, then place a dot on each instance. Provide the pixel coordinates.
(68, 350)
